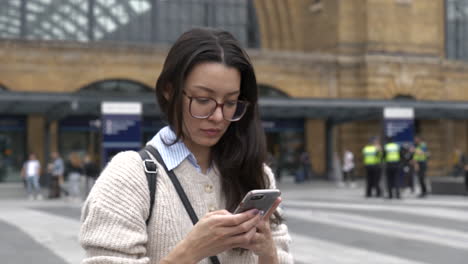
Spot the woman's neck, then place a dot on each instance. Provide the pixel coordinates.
(203, 161)
(203, 156)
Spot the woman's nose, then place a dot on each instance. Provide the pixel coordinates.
(217, 114)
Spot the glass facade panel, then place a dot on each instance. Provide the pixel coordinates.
(12, 147)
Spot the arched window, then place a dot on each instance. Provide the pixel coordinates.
(266, 90)
(116, 86)
(456, 27)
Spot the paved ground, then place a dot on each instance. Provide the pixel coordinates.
(328, 224)
(338, 225)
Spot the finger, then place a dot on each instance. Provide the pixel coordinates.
(256, 239)
(262, 226)
(237, 219)
(272, 209)
(244, 227)
(244, 240)
(219, 212)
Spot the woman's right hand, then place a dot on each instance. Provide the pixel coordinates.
(216, 232)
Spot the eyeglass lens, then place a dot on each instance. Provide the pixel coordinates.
(205, 107)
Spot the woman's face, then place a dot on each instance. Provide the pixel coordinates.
(208, 80)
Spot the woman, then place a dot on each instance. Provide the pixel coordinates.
(215, 145)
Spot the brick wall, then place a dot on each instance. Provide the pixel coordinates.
(374, 49)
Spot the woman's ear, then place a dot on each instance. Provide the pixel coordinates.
(167, 91)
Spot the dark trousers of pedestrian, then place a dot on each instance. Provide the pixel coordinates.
(373, 180)
(408, 173)
(392, 172)
(278, 173)
(348, 176)
(422, 177)
(307, 172)
(54, 188)
(299, 176)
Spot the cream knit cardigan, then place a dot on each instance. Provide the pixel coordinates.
(113, 217)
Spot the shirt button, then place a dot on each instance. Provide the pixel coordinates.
(212, 208)
(208, 188)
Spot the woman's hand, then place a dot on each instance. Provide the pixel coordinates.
(262, 243)
(216, 232)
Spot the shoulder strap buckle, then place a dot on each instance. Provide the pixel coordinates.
(150, 166)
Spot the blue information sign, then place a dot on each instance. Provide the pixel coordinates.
(281, 125)
(399, 124)
(121, 128)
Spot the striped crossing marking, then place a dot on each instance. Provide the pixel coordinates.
(315, 251)
(442, 236)
(435, 212)
(59, 234)
(347, 228)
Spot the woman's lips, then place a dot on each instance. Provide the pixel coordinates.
(211, 132)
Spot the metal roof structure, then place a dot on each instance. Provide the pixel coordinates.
(56, 106)
(346, 110)
(58, 19)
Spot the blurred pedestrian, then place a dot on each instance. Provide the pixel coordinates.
(304, 173)
(458, 162)
(56, 169)
(372, 154)
(74, 172)
(421, 155)
(348, 168)
(91, 172)
(466, 175)
(392, 161)
(31, 172)
(408, 167)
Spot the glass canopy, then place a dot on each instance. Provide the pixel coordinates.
(147, 21)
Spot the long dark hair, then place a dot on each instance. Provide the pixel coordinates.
(240, 153)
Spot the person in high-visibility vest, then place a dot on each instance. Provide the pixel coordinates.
(372, 154)
(421, 155)
(392, 160)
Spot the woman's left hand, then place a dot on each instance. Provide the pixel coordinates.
(262, 243)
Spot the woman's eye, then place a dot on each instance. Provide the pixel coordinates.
(202, 100)
(230, 103)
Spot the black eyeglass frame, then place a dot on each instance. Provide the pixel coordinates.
(247, 103)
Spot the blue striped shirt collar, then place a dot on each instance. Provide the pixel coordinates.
(172, 155)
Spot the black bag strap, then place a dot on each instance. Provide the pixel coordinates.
(180, 191)
(151, 171)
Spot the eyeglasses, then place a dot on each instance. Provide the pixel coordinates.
(204, 107)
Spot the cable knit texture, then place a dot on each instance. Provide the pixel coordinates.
(113, 217)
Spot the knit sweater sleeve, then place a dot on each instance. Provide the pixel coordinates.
(113, 217)
(280, 232)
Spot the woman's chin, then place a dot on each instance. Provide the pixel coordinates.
(208, 142)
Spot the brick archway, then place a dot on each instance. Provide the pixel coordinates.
(116, 85)
(3, 88)
(267, 90)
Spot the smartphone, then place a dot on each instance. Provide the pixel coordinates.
(261, 199)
